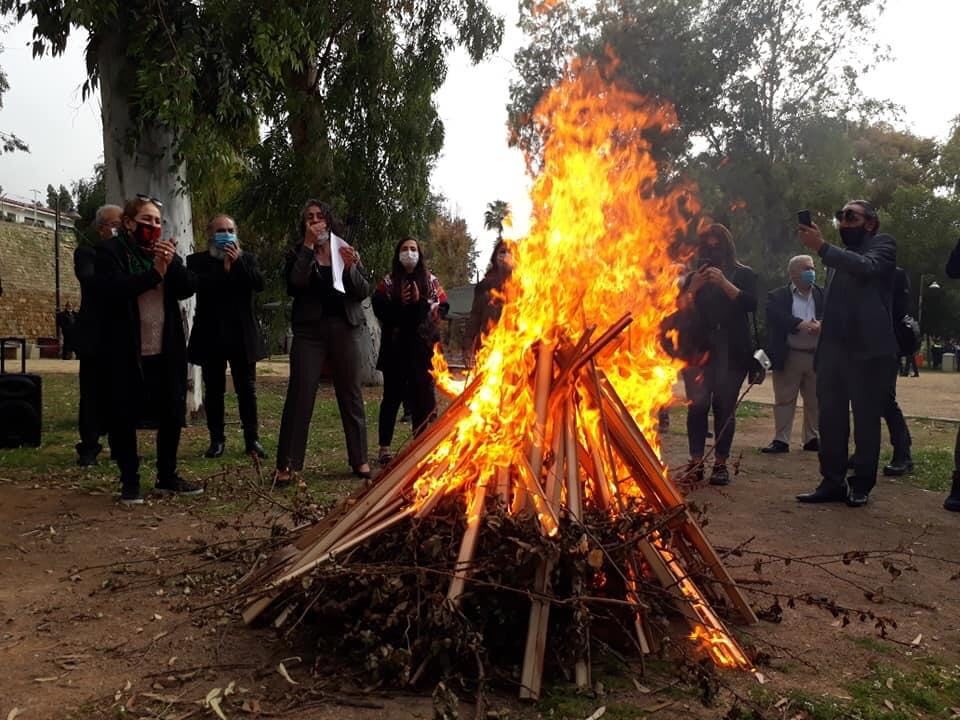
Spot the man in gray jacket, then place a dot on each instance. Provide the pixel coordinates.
(856, 359)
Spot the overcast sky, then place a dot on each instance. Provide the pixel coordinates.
(45, 109)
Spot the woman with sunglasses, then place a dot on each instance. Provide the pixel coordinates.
(408, 302)
(719, 295)
(140, 280)
(327, 328)
(487, 300)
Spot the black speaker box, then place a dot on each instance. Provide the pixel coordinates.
(21, 405)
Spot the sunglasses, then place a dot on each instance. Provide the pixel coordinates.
(849, 215)
(147, 198)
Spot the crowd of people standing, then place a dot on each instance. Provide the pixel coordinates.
(838, 345)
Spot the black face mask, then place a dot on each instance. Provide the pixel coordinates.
(712, 256)
(853, 236)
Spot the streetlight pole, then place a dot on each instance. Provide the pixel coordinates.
(933, 286)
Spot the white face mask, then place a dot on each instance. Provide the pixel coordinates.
(409, 259)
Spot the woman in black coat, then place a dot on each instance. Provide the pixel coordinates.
(140, 280)
(327, 327)
(487, 301)
(717, 298)
(407, 302)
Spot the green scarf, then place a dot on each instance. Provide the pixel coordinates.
(138, 261)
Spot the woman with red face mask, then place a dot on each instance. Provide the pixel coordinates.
(141, 280)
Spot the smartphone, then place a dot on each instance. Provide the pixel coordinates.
(803, 217)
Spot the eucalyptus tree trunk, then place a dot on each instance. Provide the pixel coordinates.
(145, 166)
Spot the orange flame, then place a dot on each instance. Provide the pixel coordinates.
(598, 248)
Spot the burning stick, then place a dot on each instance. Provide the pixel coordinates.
(468, 545)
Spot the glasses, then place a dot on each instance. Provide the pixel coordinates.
(849, 215)
(147, 198)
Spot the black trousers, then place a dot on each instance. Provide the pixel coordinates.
(413, 390)
(846, 380)
(152, 396)
(89, 418)
(716, 387)
(244, 376)
(337, 342)
(897, 426)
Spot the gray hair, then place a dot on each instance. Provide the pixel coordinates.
(212, 222)
(98, 218)
(796, 260)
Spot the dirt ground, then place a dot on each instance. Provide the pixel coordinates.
(103, 606)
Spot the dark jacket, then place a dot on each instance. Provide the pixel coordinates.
(307, 291)
(119, 346)
(88, 320)
(722, 324)
(781, 322)
(485, 310)
(858, 312)
(409, 332)
(224, 324)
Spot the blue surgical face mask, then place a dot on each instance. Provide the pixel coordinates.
(808, 276)
(222, 239)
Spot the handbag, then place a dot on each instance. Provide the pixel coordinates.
(759, 363)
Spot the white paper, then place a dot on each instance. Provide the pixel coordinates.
(336, 262)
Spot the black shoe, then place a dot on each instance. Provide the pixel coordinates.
(87, 460)
(215, 450)
(406, 418)
(692, 472)
(777, 446)
(898, 467)
(364, 474)
(825, 493)
(812, 445)
(857, 498)
(720, 475)
(176, 485)
(952, 503)
(130, 492)
(255, 448)
(709, 434)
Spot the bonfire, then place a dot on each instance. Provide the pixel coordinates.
(556, 425)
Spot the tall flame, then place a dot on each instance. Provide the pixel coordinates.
(597, 249)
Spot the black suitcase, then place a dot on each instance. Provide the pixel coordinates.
(20, 401)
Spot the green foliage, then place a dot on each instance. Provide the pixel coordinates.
(449, 249)
(493, 217)
(90, 194)
(60, 199)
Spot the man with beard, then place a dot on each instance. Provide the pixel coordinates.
(225, 331)
(856, 360)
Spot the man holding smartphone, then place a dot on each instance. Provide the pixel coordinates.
(224, 331)
(856, 358)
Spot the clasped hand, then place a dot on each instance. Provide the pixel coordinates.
(163, 254)
(410, 293)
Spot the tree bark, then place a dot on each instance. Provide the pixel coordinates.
(144, 166)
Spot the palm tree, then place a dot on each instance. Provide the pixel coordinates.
(495, 214)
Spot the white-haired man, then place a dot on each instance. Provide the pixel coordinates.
(90, 422)
(793, 328)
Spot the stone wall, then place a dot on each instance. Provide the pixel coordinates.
(28, 303)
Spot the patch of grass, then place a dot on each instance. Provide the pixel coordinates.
(748, 409)
(872, 644)
(326, 469)
(887, 693)
(932, 468)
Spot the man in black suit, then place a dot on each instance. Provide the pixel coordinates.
(224, 330)
(93, 381)
(856, 359)
(902, 461)
(793, 328)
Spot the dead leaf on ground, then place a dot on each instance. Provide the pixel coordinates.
(917, 639)
(889, 705)
(15, 713)
(599, 713)
(282, 669)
